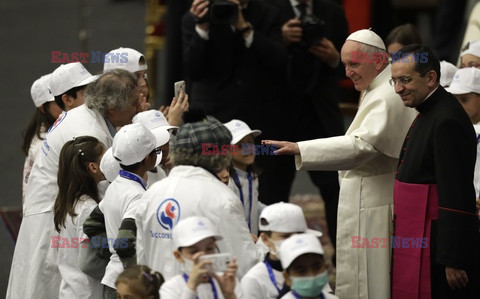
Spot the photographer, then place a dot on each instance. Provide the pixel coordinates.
(313, 32)
(233, 60)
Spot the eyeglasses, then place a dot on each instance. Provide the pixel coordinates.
(402, 81)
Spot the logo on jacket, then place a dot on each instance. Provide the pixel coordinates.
(168, 213)
(60, 118)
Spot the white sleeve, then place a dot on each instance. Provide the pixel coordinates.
(171, 289)
(203, 34)
(237, 240)
(251, 288)
(334, 153)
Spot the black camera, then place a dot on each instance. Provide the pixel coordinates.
(221, 12)
(312, 30)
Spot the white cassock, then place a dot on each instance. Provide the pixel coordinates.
(34, 272)
(367, 156)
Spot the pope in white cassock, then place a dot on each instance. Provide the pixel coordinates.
(367, 157)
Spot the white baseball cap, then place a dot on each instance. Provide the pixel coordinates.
(40, 92)
(465, 80)
(285, 218)
(240, 129)
(193, 229)
(297, 245)
(368, 37)
(109, 166)
(472, 48)
(68, 76)
(133, 143)
(447, 71)
(156, 122)
(128, 59)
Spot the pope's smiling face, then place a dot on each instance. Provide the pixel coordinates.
(361, 73)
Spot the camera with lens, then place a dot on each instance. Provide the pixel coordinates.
(312, 30)
(221, 12)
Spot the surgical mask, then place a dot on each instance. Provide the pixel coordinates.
(309, 286)
(277, 244)
(187, 265)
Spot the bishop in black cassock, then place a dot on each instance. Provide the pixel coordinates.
(436, 226)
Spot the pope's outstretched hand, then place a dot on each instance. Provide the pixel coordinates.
(284, 147)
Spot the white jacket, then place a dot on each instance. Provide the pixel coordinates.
(176, 288)
(75, 283)
(119, 202)
(190, 191)
(368, 155)
(37, 276)
(256, 284)
(252, 213)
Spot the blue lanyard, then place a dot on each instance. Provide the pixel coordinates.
(239, 186)
(272, 276)
(298, 296)
(212, 285)
(131, 176)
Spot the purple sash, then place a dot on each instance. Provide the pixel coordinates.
(415, 206)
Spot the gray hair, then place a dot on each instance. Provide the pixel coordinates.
(112, 90)
(190, 156)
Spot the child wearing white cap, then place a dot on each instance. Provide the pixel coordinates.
(277, 222)
(447, 71)
(304, 267)
(135, 148)
(465, 87)
(78, 176)
(156, 122)
(67, 84)
(470, 56)
(243, 178)
(192, 238)
(130, 60)
(45, 115)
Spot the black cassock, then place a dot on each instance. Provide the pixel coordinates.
(434, 203)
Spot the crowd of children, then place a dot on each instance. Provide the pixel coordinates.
(152, 216)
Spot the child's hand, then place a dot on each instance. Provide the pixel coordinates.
(198, 274)
(164, 109)
(144, 105)
(177, 107)
(227, 280)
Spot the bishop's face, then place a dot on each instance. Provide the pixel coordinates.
(410, 85)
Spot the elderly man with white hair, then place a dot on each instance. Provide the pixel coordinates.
(367, 156)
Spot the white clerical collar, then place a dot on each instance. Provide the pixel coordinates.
(430, 94)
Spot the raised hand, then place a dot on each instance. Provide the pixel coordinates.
(284, 147)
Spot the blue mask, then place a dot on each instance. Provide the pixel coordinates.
(309, 286)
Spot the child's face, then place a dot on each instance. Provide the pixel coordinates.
(94, 169)
(207, 246)
(471, 104)
(275, 240)
(469, 60)
(124, 292)
(246, 155)
(307, 275)
(309, 264)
